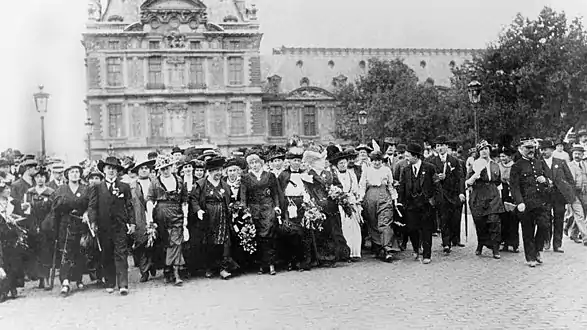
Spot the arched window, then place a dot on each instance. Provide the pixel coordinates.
(305, 82)
(331, 64)
(452, 64)
(362, 65)
(300, 64)
(423, 64)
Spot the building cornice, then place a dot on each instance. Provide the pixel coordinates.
(316, 51)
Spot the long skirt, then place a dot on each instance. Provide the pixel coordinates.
(488, 230)
(379, 212)
(73, 261)
(510, 229)
(291, 234)
(265, 224)
(14, 268)
(171, 215)
(351, 229)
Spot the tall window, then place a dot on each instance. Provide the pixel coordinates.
(310, 120)
(235, 71)
(234, 45)
(114, 71)
(154, 44)
(115, 129)
(197, 79)
(195, 45)
(276, 121)
(237, 119)
(155, 73)
(114, 45)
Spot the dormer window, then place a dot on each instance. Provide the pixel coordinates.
(300, 64)
(305, 82)
(230, 19)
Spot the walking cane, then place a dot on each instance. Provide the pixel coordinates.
(466, 219)
(53, 268)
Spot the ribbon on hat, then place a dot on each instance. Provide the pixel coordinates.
(376, 146)
(567, 136)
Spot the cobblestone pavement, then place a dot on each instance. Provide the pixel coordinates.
(460, 291)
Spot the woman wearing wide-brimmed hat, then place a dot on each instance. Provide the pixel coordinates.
(143, 254)
(38, 201)
(209, 201)
(167, 206)
(260, 192)
(70, 205)
(377, 192)
(351, 223)
(485, 200)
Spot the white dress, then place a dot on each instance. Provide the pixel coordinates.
(351, 226)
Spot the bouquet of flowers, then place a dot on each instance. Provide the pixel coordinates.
(246, 235)
(151, 234)
(243, 226)
(341, 198)
(313, 216)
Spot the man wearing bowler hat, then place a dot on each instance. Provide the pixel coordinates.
(111, 210)
(451, 194)
(417, 190)
(562, 192)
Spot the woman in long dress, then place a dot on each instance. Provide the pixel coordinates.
(510, 223)
(377, 193)
(11, 252)
(485, 201)
(39, 200)
(209, 200)
(351, 223)
(167, 206)
(260, 192)
(70, 205)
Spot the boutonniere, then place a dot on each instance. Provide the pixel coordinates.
(423, 172)
(46, 199)
(116, 192)
(555, 166)
(78, 195)
(222, 191)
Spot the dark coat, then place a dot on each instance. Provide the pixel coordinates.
(524, 184)
(318, 190)
(415, 193)
(197, 200)
(485, 198)
(454, 184)
(108, 211)
(562, 180)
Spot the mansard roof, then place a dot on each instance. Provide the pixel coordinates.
(172, 5)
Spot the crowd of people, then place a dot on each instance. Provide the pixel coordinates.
(292, 207)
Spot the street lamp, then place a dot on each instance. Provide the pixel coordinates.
(89, 127)
(363, 123)
(41, 100)
(474, 90)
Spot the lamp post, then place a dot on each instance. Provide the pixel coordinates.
(41, 100)
(89, 127)
(363, 123)
(474, 91)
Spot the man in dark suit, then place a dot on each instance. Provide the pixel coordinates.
(530, 192)
(562, 184)
(451, 194)
(111, 210)
(416, 192)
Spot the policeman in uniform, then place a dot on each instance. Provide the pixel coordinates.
(530, 187)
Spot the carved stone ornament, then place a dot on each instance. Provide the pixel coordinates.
(273, 83)
(94, 10)
(176, 60)
(175, 40)
(310, 93)
(339, 80)
(177, 12)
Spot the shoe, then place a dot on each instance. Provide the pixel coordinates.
(272, 270)
(388, 258)
(80, 286)
(505, 248)
(558, 250)
(153, 272)
(65, 290)
(123, 291)
(578, 240)
(539, 258)
(109, 290)
(209, 274)
(479, 250)
(532, 264)
(261, 271)
(144, 277)
(416, 256)
(426, 261)
(515, 249)
(496, 256)
(225, 275)
(446, 249)
(459, 244)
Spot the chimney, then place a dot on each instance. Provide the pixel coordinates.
(240, 5)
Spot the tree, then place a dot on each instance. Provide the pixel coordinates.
(534, 77)
(395, 103)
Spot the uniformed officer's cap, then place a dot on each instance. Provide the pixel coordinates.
(528, 142)
(578, 148)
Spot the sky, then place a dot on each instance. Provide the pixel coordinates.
(41, 46)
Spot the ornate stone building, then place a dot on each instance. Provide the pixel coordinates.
(171, 72)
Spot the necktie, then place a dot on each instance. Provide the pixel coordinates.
(110, 187)
(580, 167)
(415, 171)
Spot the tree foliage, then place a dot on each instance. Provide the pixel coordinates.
(534, 80)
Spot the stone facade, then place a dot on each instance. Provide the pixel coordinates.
(175, 72)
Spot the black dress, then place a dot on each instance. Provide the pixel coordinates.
(40, 254)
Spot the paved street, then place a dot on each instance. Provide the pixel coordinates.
(460, 291)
